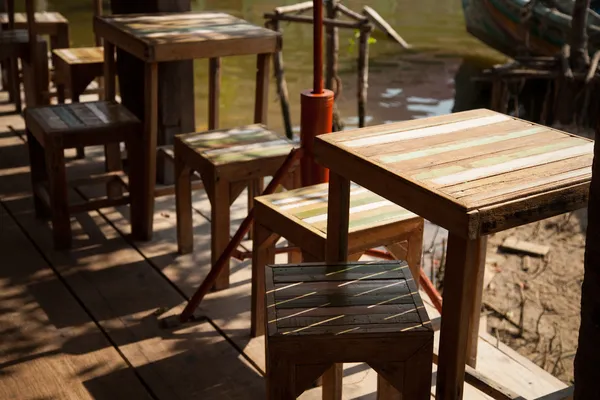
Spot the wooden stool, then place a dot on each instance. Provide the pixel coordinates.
(301, 217)
(14, 46)
(52, 24)
(228, 161)
(320, 314)
(76, 68)
(52, 129)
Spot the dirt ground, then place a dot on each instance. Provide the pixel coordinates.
(533, 303)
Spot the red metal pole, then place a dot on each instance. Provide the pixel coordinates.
(316, 112)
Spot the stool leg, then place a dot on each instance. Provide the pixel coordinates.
(75, 94)
(220, 221)
(417, 375)
(263, 253)
(386, 391)
(134, 154)
(332, 382)
(38, 173)
(415, 249)
(281, 378)
(255, 188)
(183, 203)
(14, 81)
(61, 224)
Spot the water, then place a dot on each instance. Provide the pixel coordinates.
(402, 84)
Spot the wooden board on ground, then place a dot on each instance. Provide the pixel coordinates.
(50, 347)
(512, 244)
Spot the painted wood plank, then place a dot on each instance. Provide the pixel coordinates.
(488, 155)
(390, 136)
(391, 149)
(340, 137)
(464, 189)
(458, 145)
(512, 165)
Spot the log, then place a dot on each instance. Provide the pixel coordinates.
(348, 12)
(309, 20)
(282, 90)
(294, 8)
(382, 24)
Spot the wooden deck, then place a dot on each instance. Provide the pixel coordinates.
(84, 323)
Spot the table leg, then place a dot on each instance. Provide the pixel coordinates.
(110, 71)
(150, 143)
(112, 151)
(261, 102)
(477, 284)
(338, 211)
(459, 302)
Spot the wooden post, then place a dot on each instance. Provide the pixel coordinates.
(176, 88)
(332, 48)
(587, 359)
(363, 75)
(282, 90)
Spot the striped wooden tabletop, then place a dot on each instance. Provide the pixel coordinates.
(464, 162)
(343, 299)
(189, 35)
(308, 206)
(64, 118)
(237, 145)
(81, 55)
(45, 17)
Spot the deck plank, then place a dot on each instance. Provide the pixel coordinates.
(50, 347)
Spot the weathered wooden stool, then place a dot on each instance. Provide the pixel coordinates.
(51, 24)
(300, 216)
(76, 69)
(228, 161)
(320, 314)
(52, 129)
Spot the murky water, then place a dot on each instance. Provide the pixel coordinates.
(402, 84)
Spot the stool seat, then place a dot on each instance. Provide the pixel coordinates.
(80, 123)
(246, 149)
(81, 55)
(320, 314)
(47, 20)
(307, 209)
(15, 43)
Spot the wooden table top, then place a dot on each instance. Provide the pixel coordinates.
(185, 36)
(474, 172)
(45, 17)
(81, 55)
(343, 299)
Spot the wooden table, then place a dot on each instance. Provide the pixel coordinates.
(473, 173)
(164, 37)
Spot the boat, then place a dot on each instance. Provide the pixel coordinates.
(527, 27)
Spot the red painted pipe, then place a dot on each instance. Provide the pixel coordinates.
(318, 46)
(216, 270)
(316, 118)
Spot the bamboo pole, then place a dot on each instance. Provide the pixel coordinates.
(282, 90)
(363, 75)
(326, 21)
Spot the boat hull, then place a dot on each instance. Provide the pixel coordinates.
(498, 23)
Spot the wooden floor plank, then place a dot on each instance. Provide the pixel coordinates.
(123, 292)
(50, 347)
